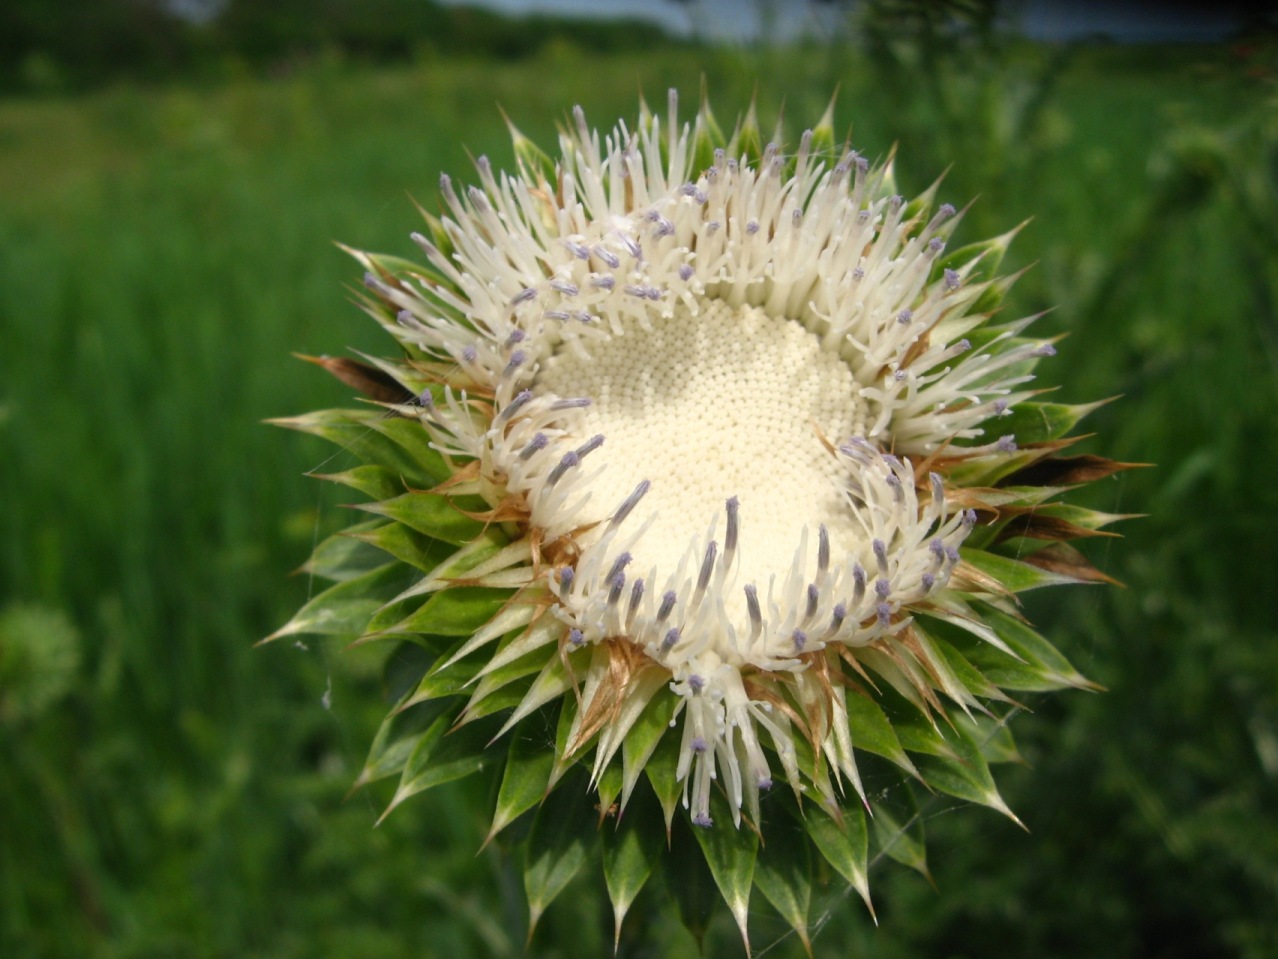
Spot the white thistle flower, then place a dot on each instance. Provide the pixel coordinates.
(725, 418)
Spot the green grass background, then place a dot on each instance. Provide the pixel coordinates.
(168, 789)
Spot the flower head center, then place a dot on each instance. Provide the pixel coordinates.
(730, 402)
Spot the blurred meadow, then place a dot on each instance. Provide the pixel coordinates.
(166, 245)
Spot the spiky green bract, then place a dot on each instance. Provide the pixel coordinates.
(847, 594)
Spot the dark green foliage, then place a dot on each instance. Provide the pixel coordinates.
(162, 253)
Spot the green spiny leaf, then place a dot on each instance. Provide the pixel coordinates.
(844, 843)
(526, 777)
(630, 851)
(375, 482)
(343, 556)
(902, 840)
(558, 846)
(1014, 576)
(455, 612)
(783, 873)
(432, 514)
(730, 853)
(404, 544)
(345, 609)
(445, 757)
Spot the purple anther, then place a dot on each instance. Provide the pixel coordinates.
(579, 250)
(894, 484)
(896, 202)
(732, 164)
(1045, 350)
(862, 164)
(904, 317)
(445, 183)
(664, 227)
(814, 596)
(373, 283)
(523, 296)
(1006, 444)
(858, 583)
(796, 216)
(485, 167)
(610, 258)
(514, 406)
(937, 547)
(951, 279)
(969, 518)
(884, 613)
(752, 227)
(685, 272)
(566, 575)
(477, 198)
(516, 360)
(900, 376)
(880, 555)
(752, 606)
(426, 399)
(696, 683)
(404, 318)
(733, 507)
(1000, 407)
(469, 354)
(670, 640)
(891, 460)
(631, 246)
(636, 595)
(952, 554)
(712, 226)
(535, 445)
(569, 460)
(935, 245)
(823, 549)
(590, 445)
(698, 744)
(618, 565)
(720, 155)
(631, 502)
(863, 217)
(564, 287)
(652, 216)
(580, 402)
(800, 639)
(963, 345)
(938, 487)
(769, 152)
(840, 614)
(614, 593)
(667, 605)
(707, 566)
(688, 189)
(858, 274)
(700, 198)
(882, 588)
(945, 212)
(643, 292)
(576, 637)
(516, 336)
(556, 314)
(929, 580)
(703, 820)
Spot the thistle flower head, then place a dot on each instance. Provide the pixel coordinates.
(710, 455)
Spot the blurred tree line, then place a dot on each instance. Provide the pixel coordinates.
(66, 45)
